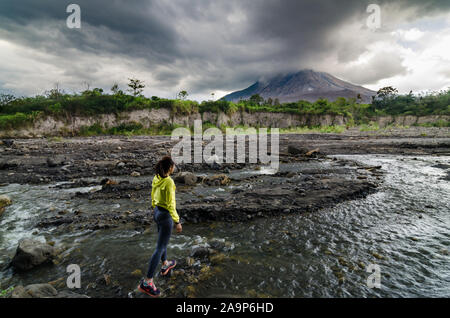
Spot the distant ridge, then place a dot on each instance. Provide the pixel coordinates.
(303, 85)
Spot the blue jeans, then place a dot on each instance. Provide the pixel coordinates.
(164, 224)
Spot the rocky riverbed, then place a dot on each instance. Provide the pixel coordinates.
(100, 188)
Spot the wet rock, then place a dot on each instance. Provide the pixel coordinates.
(5, 201)
(199, 252)
(19, 292)
(31, 253)
(52, 162)
(41, 290)
(291, 175)
(217, 259)
(69, 294)
(107, 182)
(187, 178)
(217, 180)
(190, 261)
(135, 174)
(312, 152)
(7, 165)
(217, 244)
(137, 273)
(294, 150)
(377, 256)
(8, 143)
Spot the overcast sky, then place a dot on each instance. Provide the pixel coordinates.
(221, 45)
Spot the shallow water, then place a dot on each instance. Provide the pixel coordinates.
(407, 222)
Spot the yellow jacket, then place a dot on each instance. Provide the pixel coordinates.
(163, 195)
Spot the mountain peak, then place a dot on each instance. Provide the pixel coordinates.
(306, 84)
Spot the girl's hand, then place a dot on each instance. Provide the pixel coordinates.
(179, 228)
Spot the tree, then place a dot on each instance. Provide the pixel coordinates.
(256, 99)
(270, 101)
(115, 88)
(212, 95)
(94, 92)
(54, 93)
(182, 95)
(5, 99)
(136, 87)
(384, 97)
(276, 102)
(387, 92)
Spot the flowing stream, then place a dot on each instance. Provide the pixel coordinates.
(404, 228)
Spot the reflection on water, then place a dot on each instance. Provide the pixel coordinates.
(404, 228)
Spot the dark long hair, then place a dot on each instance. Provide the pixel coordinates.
(163, 166)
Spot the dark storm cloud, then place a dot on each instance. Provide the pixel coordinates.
(203, 45)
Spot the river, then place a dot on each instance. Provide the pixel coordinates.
(404, 228)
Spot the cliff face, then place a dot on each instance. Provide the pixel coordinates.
(55, 127)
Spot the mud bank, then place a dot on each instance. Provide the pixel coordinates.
(50, 126)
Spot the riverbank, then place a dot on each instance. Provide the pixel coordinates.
(164, 120)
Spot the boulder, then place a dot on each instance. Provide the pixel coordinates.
(311, 152)
(19, 292)
(8, 143)
(294, 150)
(135, 174)
(31, 253)
(69, 294)
(5, 201)
(187, 178)
(41, 290)
(51, 162)
(199, 251)
(217, 180)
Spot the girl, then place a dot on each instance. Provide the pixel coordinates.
(165, 215)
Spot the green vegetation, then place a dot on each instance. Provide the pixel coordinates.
(333, 129)
(127, 129)
(18, 112)
(5, 292)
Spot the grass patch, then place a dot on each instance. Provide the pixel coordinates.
(333, 129)
(5, 292)
(127, 129)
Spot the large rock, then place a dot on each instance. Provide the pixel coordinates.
(69, 294)
(4, 202)
(217, 180)
(199, 251)
(294, 150)
(19, 292)
(31, 253)
(41, 290)
(187, 178)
